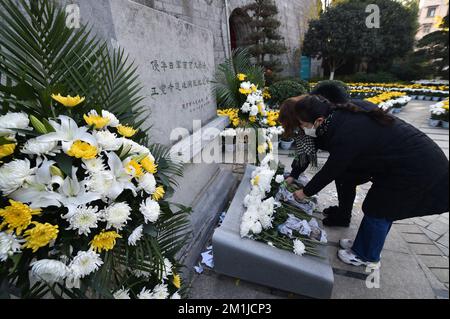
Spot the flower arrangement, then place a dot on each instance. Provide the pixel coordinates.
(389, 100)
(74, 195)
(274, 222)
(440, 111)
(84, 209)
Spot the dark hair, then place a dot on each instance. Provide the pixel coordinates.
(308, 108)
(332, 92)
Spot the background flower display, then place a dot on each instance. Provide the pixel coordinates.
(439, 113)
(84, 209)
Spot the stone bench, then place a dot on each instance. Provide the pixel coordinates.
(262, 264)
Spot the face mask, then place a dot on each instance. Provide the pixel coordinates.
(311, 131)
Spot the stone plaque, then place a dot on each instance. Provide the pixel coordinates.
(175, 61)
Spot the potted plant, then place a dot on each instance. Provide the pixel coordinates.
(286, 142)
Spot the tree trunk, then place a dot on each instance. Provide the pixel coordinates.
(332, 74)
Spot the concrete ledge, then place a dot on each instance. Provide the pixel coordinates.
(259, 263)
(205, 216)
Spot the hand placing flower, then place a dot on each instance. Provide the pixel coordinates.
(299, 195)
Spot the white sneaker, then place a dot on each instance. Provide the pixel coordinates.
(348, 257)
(346, 243)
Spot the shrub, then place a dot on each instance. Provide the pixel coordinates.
(283, 90)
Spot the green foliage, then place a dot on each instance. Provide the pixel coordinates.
(340, 34)
(40, 56)
(226, 84)
(283, 90)
(335, 82)
(433, 50)
(265, 39)
(378, 77)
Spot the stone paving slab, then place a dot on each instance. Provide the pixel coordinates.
(426, 249)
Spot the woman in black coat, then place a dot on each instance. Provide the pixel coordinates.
(409, 172)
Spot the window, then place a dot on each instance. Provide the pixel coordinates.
(431, 12)
(426, 28)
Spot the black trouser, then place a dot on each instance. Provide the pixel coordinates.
(346, 190)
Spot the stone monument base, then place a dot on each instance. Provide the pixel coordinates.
(260, 263)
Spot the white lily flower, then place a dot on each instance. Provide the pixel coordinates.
(67, 132)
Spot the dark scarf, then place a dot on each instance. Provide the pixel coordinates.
(306, 150)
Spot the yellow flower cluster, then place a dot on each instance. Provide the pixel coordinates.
(241, 77)
(68, 101)
(7, 149)
(233, 115)
(97, 121)
(266, 93)
(383, 97)
(445, 106)
(80, 149)
(253, 88)
(401, 86)
(272, 118)
(134, 168)
(17, 216)
(104, 241)
(126, 131)
(40, 235)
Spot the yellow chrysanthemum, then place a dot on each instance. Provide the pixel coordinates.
(236, 122)
(134, 168)
(252, 119)
(245, 91)
(68, 101)
(254, 88)
(159, 193)
(17, 216)
(149, 165)
(7, 149)
(177, 281)
(83, 150)
(40, 235)
(255, 181)
(262, 148)
(126, 131)
(104, 241)
(97, 121)
(241, 77)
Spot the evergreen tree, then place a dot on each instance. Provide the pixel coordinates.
(265, 42)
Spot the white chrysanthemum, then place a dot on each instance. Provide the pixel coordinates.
(266, 221)
(101, 182)
(84, 263)
(160, 292)
(230, 132)
(135, 236)
(167, 268)
(11, 121)
(94, 165)
(252, 200)
(113, 121)
(35, 147)
(145, 294)
(9, 245)
(122, 294)
(107, 141)
(246, 107)
(83, 219)
(141, 273)
(254, 110)
(256, 228)
(49, 270)
(13, 175)
(151, 210)
(246, 85)
(279, 179)
(176, 295)
(148, 183)
(299, 247)
(117, 215)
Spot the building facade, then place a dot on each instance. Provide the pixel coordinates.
(224, 19)
(431, 13)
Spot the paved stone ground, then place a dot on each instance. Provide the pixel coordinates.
(414, 260)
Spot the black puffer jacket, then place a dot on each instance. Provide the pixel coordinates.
(410, 172)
